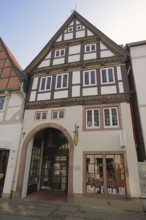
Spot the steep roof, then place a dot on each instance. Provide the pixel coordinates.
(98, 33)
(10, 69)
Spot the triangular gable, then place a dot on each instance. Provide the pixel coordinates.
(69, 31)
(10, 70)
(76, 29)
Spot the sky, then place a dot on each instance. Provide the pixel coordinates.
(26, 26)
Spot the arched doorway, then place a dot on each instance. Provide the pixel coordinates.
(51, 166)
(49, 162)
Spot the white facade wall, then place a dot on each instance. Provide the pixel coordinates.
(92, 141)
(10, 135)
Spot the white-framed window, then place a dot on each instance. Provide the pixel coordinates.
(107, 75)
(70, 29)
(57, 114)
(78, 27)
(60, 53)
(45, 83)
(111, 118)
(93, 118)
(62, 81)
(90, 48)
(89, 77)
(2, 102)
(40, 115)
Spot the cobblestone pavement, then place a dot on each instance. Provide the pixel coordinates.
(27, 210)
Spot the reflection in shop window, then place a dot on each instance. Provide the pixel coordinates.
(105, 174)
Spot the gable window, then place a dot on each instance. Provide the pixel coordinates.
(59, 53)
(2, 101)
(45, 83)
(62, 81)
(107, 75)
(105, 174)
(40, 115)
(110, 117)
(90, 48)
(92, 118)
(70, 29)
(89, 77)
(78, 27)
(58, 114)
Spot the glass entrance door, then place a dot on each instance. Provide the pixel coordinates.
(55, 174)
(34, 170)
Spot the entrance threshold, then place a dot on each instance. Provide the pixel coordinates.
(50, 196)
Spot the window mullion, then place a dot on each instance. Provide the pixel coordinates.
(104, 174)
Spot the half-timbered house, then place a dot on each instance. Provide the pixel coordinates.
(11, 113)
(77, 135)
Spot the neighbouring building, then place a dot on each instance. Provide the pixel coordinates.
(77, 133)
(137, 80)
(11, 113)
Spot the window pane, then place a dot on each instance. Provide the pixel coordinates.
(86, 78)
(89, 118)
(106, 117)
(2, 99)
(114, 117)
(48, 86)
(57, 53)
(44, 115)
(104, 78)
(90, 158)
(38, 115)
(92, 77)
(93, 47)
(96, 118)
(110, 75)
(54, 115)
(87, 48)
(43, 83)
(59, 81)
(61, 114)
(65, 80)
(62, 52)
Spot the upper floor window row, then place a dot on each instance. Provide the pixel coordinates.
(89, 79)
(102, 117)
(88, 48)
(78, 27)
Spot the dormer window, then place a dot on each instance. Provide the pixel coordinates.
(90, 48)
(59, 53)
